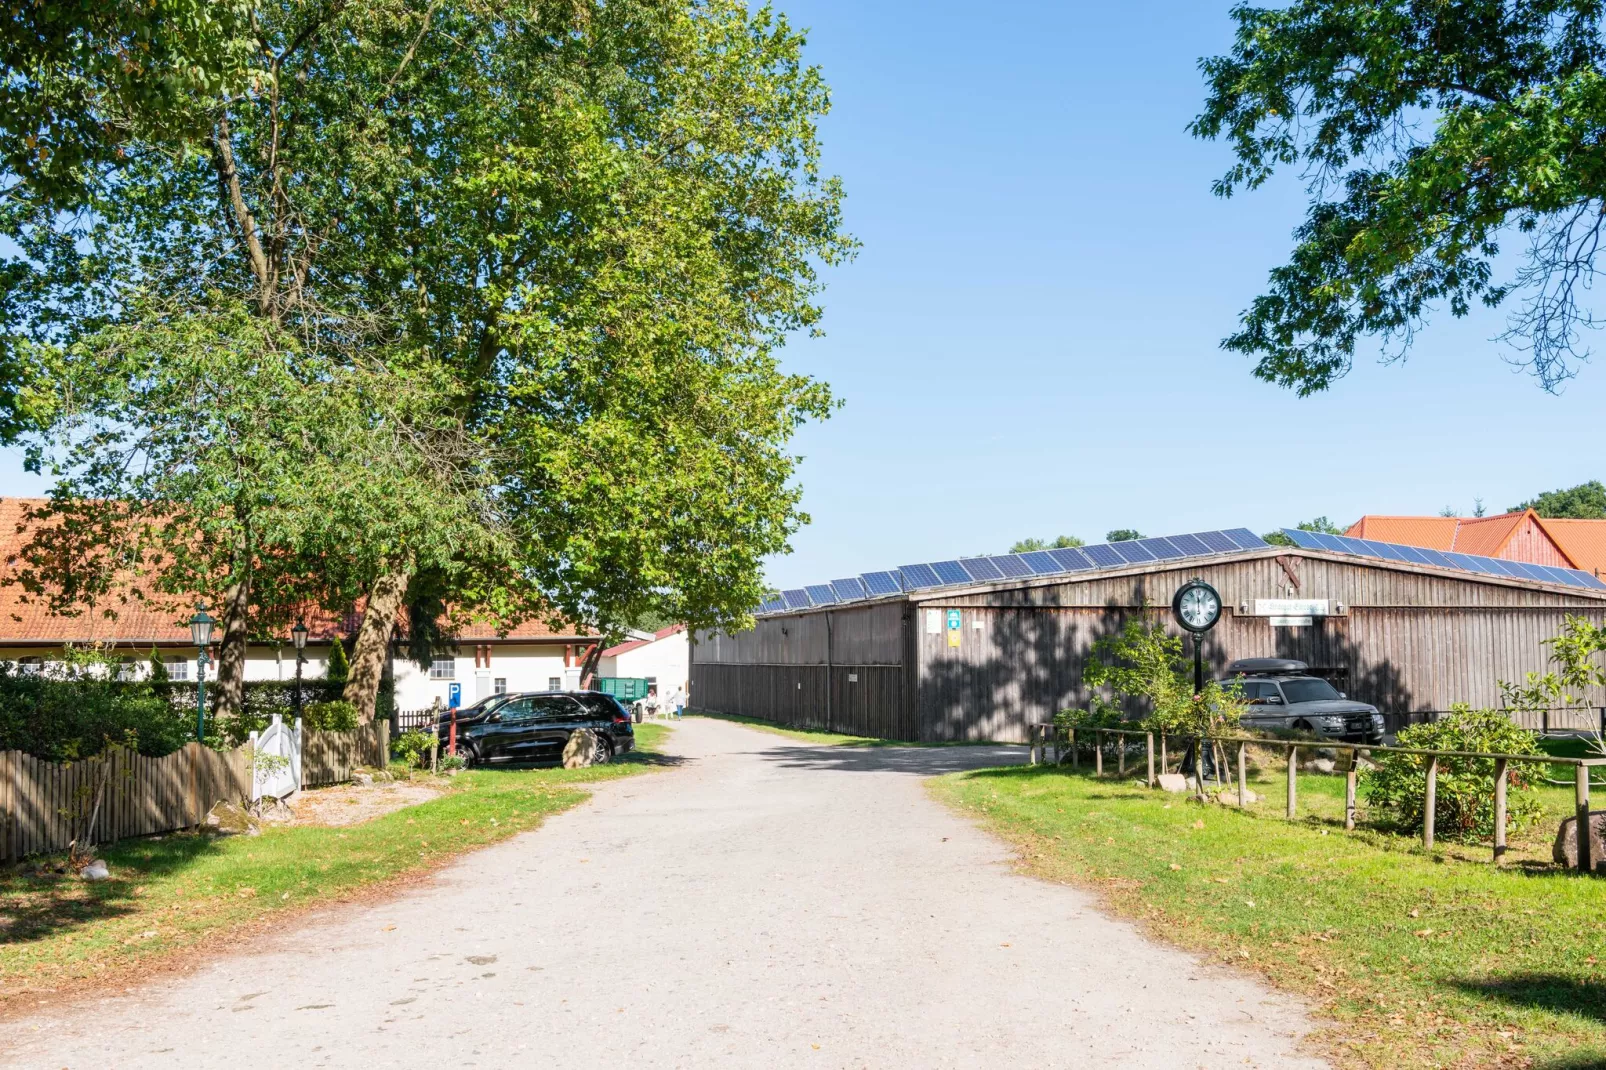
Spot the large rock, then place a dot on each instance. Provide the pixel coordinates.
(95, 871)
(1321, 765)
(580, 750)
(1172, 782)
(1565, 851)
(230, 819)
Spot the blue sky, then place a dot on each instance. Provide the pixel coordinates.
(1028, 342)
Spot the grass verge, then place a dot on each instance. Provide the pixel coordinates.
(172, 894)
(1418, 960)
(821, 737)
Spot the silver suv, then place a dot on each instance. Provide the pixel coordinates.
(1282, 695)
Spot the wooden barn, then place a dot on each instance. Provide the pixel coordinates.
(982, 660)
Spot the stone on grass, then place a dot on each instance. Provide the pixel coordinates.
(95, 871)
(1565, 851)
(1172, 782)
(230, 819)
(359, 777)
(1322, 765)
(273, 811)
(580, 750)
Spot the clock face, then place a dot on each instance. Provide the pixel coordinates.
(1197, 607)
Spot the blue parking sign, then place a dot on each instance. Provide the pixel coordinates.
(454, 695)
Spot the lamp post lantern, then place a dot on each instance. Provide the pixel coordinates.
(201, 635)
(298, 636)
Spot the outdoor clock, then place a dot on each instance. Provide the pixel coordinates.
(1196, 606)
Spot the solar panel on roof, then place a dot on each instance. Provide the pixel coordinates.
(917, 576)
(1041, 562)
(821, 594)
(1305, 539)
(1340, 544)
(1246, 539)
(1556, 574)
(1383, 550)
(1162, 549)
(1071, 559)
(771, 605)
(1413, 555)
(880, 584)
(1103, 556)
(950, 572)
(1586, 579)
(1466, 562)
(1508, 568)
(796, 599)
(848, 589)
(982, 569)
(1012, 566)
(1214, 542)
(1523, 569)
(1131, 552)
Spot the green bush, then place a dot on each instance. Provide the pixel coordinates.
(336, 716)
(413, 748)
(70, 709)
(1465, 787)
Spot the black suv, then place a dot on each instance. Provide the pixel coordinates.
(535, 726)
(1282, 695)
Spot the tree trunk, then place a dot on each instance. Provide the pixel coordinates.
(373, 642)
(588, 667)
(229, 696)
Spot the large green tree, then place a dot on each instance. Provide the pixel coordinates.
(1586, 501)
(1431, 135)
(579, 231)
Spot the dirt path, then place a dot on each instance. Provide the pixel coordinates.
(767, 904)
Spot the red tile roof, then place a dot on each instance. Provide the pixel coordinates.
(1486, 536)
(1582, 540)
(129, 616)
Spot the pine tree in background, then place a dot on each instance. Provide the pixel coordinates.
(339, 667)
(158, 668)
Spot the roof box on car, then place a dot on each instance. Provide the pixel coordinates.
(1265, 666)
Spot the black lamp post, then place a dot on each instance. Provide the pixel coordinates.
(298, 636)
(201, 635)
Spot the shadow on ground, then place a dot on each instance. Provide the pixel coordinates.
(920, 761)
(1546, 992)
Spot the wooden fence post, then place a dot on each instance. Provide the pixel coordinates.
(1243, 777)
(1165, 759)
(1148, 738)
(1430, 802)
(1349, 797)
(1293, 762)
(1098, 754)
(1036, 734)
(1120, 755)
(1499, 808)
(1586, 864)
(1076, 762)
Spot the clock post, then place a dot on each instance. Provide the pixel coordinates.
(1197, 607)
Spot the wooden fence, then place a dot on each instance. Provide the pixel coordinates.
(1059, 740)
(329, 757)
(45, 806)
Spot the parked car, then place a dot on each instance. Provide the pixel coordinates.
(1283, 695)
(535, 726)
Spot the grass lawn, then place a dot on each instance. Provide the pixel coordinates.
(1419, 960)
(819, 736)
(169, 894)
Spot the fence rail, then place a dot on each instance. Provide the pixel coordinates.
(46, 806)
(1565, 719)
(416, 720)
(1045, 736)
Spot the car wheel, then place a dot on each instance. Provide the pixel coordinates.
(603, 752)
(470, 754)
(1302, 725)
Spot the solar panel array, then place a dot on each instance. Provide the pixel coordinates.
(1421, 555)
(967, 570)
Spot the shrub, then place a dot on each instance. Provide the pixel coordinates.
(448, 762)
(1465, 789)
(339, 667)
(413, 747)
(70, 708)
(336, 716)
(1142, 663)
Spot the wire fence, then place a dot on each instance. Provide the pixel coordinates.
(1062, 742)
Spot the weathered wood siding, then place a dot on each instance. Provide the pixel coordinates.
(330, 757)
(1408, 640)
(843, 670)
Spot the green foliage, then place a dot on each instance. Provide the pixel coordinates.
(1123, 535)
(413, 748)
(1586, 501)
(1465, 786)
(336, 716)
(1428, 132)
(69, 709)
(156, 668)
(338, 667)
(1142, 662)
(448, 762)
(1061, 542)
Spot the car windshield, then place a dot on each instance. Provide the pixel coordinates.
(1308, 690)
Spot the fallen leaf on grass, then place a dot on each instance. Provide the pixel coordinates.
(1175, 866)
(1198, 824)
(1423, 932)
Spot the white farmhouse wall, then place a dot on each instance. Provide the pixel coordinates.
(666, 660)
(519, 666)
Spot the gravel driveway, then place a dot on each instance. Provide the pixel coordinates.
(767, 904)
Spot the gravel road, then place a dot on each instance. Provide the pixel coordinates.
(766, 904)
